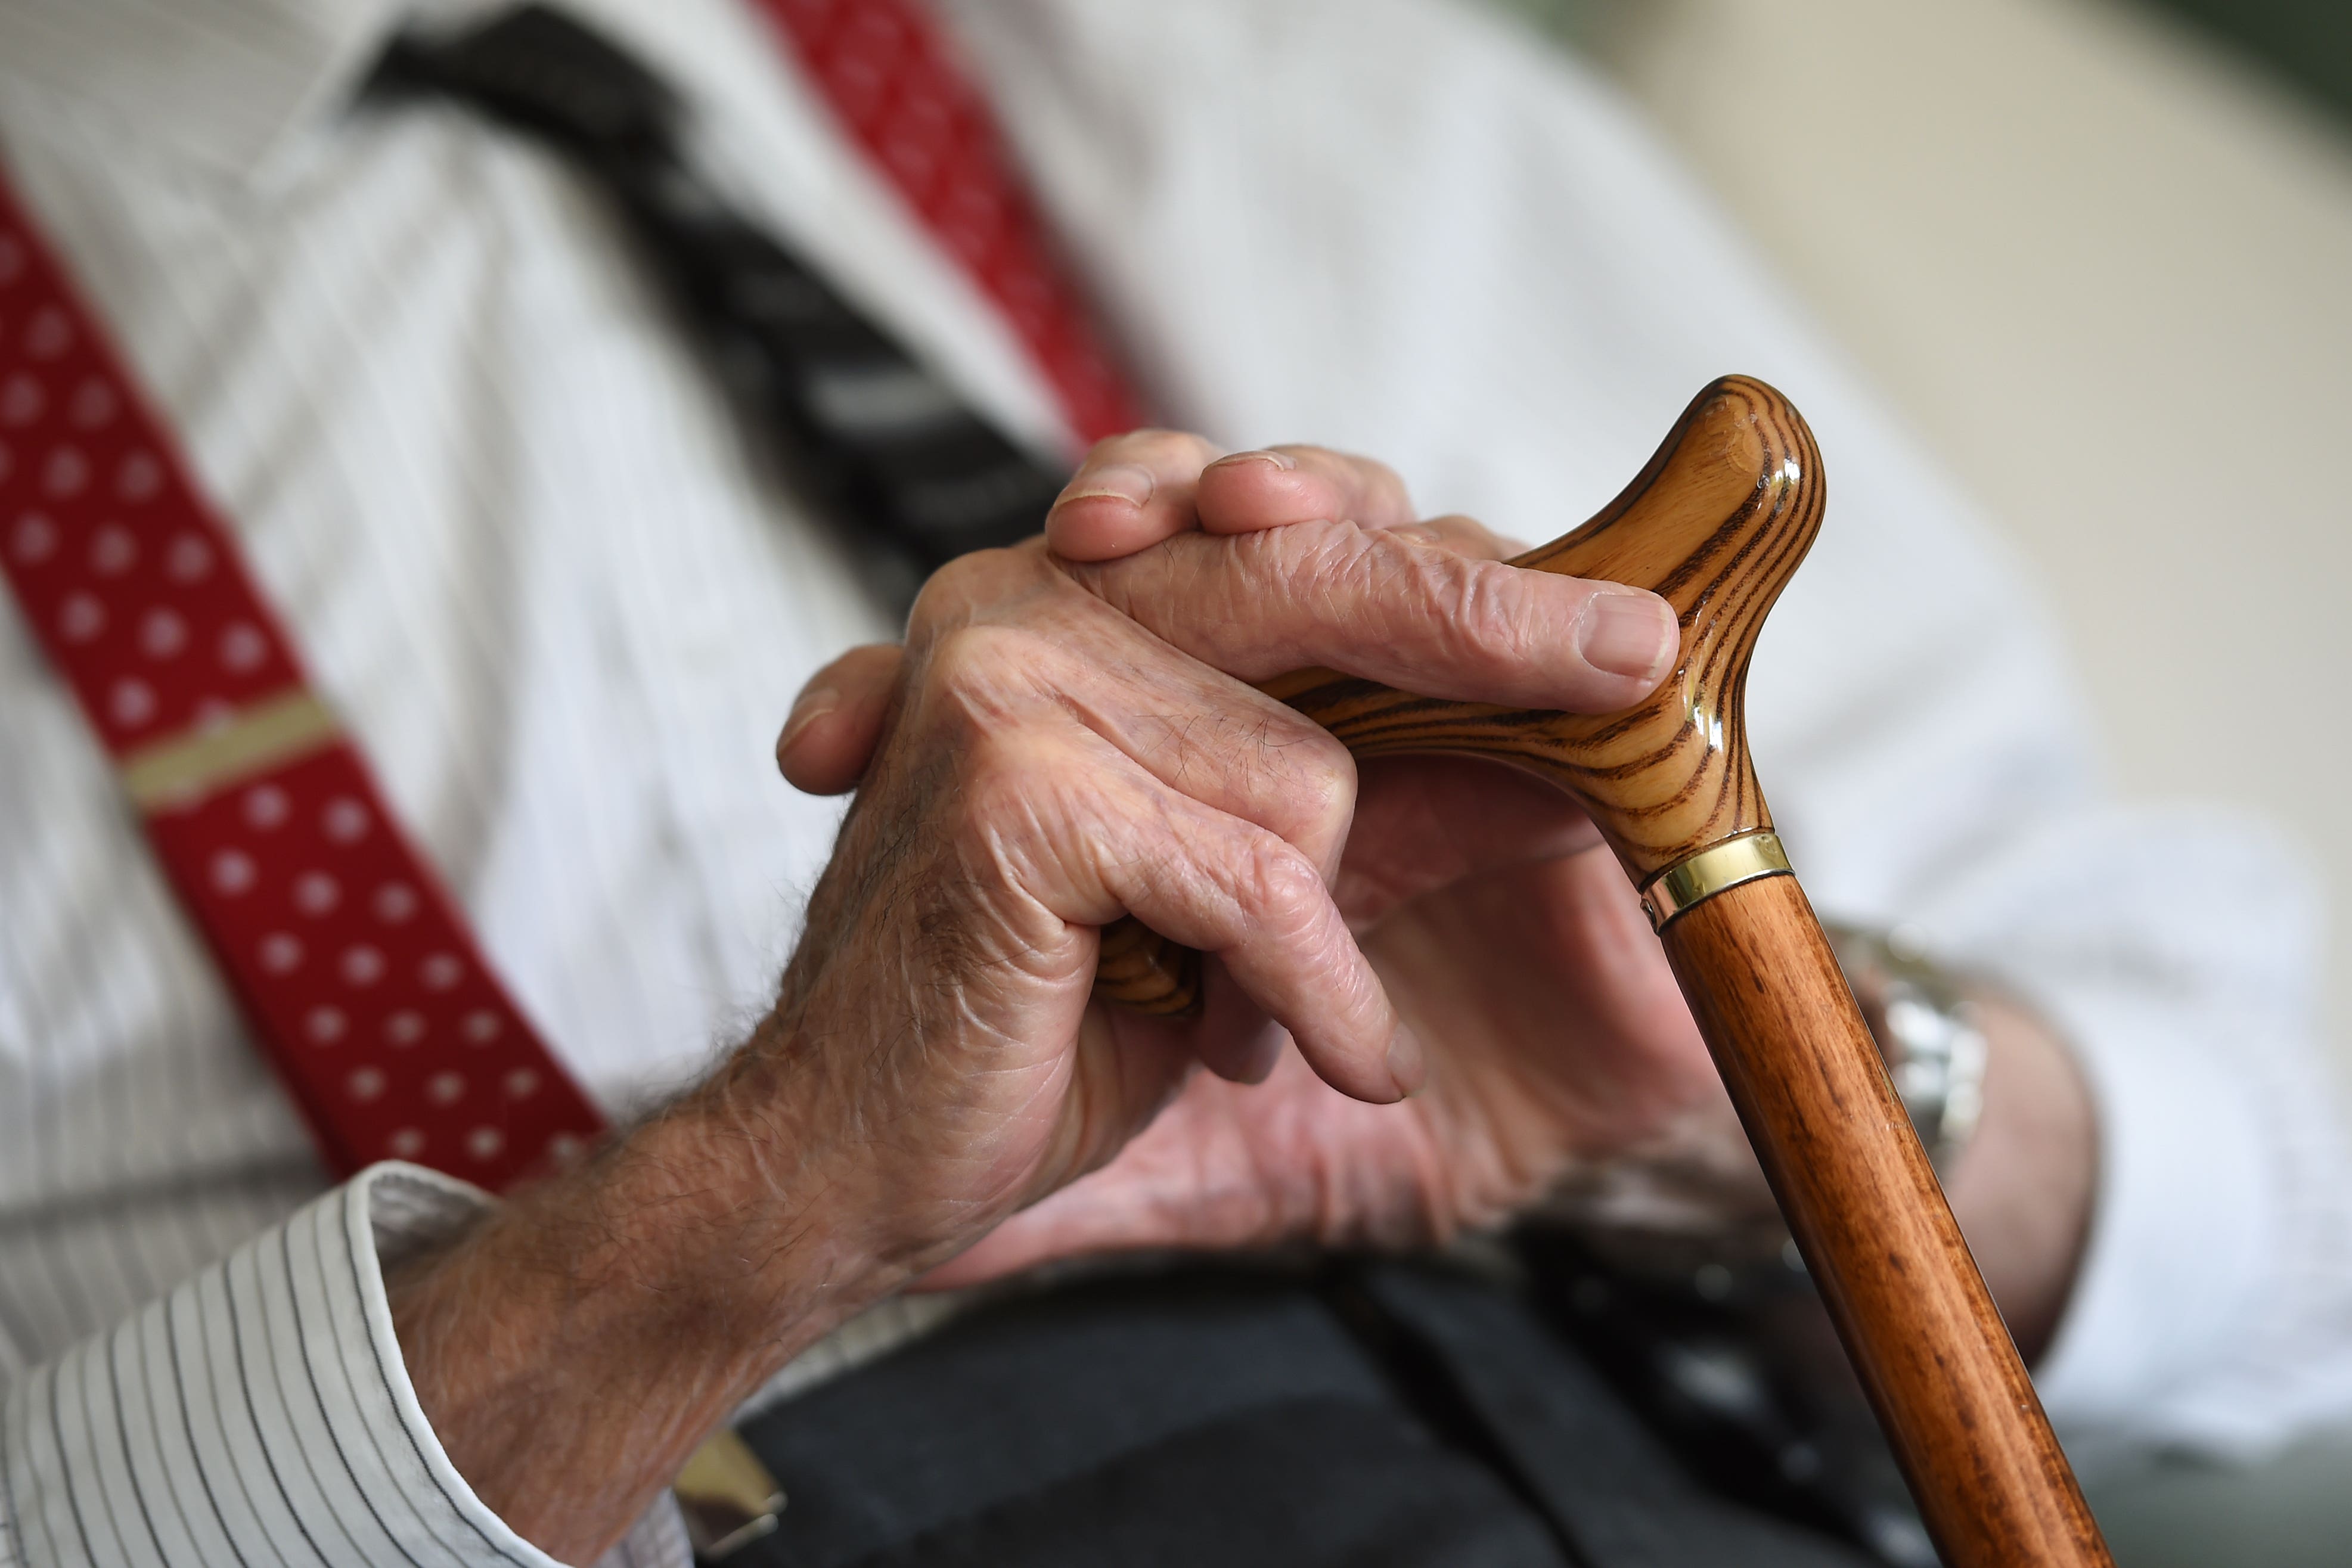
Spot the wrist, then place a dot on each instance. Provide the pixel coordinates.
(571, 1348)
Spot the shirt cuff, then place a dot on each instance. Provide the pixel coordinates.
(2182, 1229)
(261, 1412)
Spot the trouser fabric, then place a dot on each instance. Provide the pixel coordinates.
(1377, 1415)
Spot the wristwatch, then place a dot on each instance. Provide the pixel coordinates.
(1927, 1029)
(1678, 1212)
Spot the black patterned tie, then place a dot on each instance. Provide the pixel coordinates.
(881, 443)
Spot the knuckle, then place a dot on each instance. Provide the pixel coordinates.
(956, 583)
(1004, 808)
(1465, 533)
(975, 669)
(1383, 481)
(1316, 774)
(1380, 489)
(972, 585)
(1268, 763)
(1152, 445)
(1279, 886)
(1332, 772)
(1475, 608)
(877, 662)
(995, 784)
(1183, 449)
(1318, 564)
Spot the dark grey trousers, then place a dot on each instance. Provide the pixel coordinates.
(1383, 1416)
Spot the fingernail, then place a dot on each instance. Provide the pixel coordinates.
(1628, 634)
(1282, 460)
(1406, 1065)
(1118, 482)
(813, 706)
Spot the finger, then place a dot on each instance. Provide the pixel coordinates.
(1370, 603)
(1219, 740)
(1130, 493)
(1266, 915)
(1222, 744)
(1094, 838)
(829, 737)
(1462, 536)
(1275, 487)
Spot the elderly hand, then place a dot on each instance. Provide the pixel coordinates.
(1060, 742)
(1500, 931)
(1066, 740)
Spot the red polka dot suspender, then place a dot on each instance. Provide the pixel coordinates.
(355, 970)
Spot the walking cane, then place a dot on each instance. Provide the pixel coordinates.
(1717, 524)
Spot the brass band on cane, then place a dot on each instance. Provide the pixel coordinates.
(1710, 871)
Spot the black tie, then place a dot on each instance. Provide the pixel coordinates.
(883, 446)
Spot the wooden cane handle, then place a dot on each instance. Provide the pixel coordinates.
(1717, 524)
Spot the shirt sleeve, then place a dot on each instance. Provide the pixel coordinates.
(261, 1414)
(2175, 951)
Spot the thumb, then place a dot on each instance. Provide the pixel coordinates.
(836, 721)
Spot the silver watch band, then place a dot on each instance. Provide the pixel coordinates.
(1927, 1029)
(1674, 1213)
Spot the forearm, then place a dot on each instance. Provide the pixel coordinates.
(573, 1347)
(2023, 1187)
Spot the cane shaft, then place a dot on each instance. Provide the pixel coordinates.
(1864, 1203)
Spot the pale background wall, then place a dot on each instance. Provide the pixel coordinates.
(2105, 270)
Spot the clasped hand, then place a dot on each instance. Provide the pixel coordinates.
(1069, 735)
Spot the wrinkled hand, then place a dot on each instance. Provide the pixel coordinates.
(1069, 736)
(1066, 740)
(1488, 916)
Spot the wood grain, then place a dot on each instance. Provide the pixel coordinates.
(1864, 1203)
(1717, 522)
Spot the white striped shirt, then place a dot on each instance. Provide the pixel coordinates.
(525, 552)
